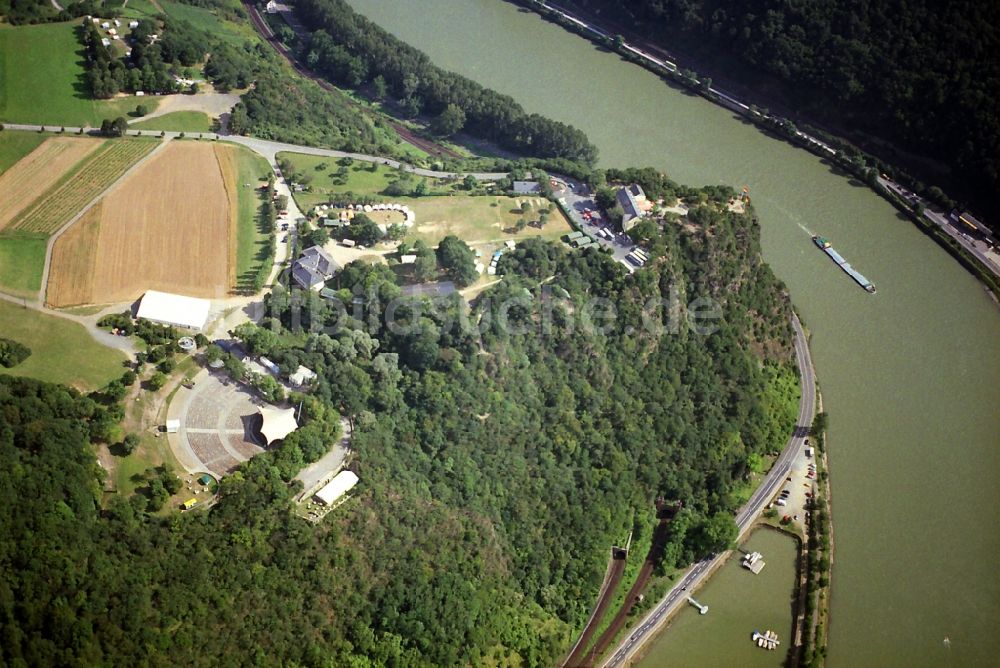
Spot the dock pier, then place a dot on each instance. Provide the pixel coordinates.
(703, 609)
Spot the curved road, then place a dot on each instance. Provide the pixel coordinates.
(746, 516)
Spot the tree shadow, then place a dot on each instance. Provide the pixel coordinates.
(81, 90)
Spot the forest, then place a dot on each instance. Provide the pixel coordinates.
(502, 447)
(918, 73)
(21, 12)
(351, 50)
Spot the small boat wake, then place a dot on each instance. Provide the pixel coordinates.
(805, 229)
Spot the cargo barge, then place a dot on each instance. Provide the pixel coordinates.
(825, 246)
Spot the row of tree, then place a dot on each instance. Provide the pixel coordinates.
(351, 50)
(913, 72)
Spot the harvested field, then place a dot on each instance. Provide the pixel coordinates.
(166, 227)
(38, 171)
(75, 255)
(59, 203)
(226, 155)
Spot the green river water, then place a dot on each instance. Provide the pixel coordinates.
(909, 376)
(739, 602)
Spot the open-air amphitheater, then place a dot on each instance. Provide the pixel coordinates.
(219, 425)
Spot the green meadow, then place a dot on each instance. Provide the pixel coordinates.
(42, 79)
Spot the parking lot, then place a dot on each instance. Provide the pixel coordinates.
(579, 204)
(799, 486)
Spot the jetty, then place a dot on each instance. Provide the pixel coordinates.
(703, 609)
(767, 640)
(754, 562)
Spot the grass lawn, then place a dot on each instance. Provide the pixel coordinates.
(139, 9)
(206, 19)
(15, 145)
(142, 416)
(41, 79)
(22, 260)
(325, 180)
(61, 351)
(480, 220)
(251, 239)
(177, 121)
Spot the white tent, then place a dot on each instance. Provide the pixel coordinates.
(336, 488)
(278, 423)
(173, 426)
(302, 376)
(170, 309)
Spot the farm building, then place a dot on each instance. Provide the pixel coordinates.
(341, 484)
(177, 310)
(277, 423)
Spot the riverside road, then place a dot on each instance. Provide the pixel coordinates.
(746, 516)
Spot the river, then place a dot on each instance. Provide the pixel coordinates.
(909, 376)
(739, 602)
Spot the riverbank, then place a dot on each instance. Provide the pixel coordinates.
(739, 603)
(838, 152)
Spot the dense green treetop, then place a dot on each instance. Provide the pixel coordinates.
(919, 72)
(502, 447)
(351, 50)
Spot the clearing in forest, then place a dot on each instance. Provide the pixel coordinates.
(33, 175)
(166, 227)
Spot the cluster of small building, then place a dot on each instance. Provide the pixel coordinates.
(578, 239)
(299, 379)
(111, 27)
(509, 245)
(347, 213)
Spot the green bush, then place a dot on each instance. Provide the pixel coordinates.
(13, 353)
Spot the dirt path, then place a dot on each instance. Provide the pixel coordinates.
(213, 104)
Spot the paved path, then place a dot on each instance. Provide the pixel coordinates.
(323, 468)
(953, 229)
(695, 576)
(269, 149)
